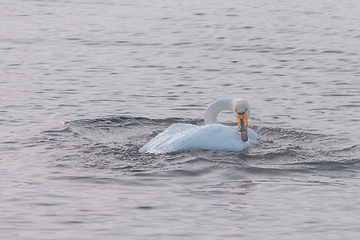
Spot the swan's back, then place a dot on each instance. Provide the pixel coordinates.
(208, 137)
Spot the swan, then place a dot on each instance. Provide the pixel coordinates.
(211, 136)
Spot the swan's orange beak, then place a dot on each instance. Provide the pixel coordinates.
(242, 125)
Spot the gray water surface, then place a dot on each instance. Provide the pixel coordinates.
(84, 85)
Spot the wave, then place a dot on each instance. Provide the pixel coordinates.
(113, 144)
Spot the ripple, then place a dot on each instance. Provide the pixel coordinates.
(112, 144)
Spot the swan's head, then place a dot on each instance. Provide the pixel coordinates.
(242, 111)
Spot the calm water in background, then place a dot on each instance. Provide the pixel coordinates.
(85, 85)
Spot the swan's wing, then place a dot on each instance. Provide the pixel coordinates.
(252, 134)
(162, 143)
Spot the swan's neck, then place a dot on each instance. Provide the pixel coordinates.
(215, 108)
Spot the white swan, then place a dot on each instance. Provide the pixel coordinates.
(212, 136)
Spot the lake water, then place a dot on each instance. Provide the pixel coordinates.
(85, 84)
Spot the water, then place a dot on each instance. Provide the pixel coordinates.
(85, 84)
